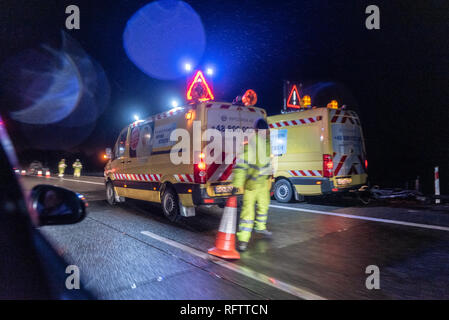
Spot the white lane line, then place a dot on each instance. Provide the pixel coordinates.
(350, 216)
(296, 291)
(83, 181)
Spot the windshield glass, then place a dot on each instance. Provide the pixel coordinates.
(218, 150)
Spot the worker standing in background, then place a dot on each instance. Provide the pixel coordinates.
(61, 167)
(253, 173)
(77, 168)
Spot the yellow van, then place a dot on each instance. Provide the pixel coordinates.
(141, 165)
(319, 151)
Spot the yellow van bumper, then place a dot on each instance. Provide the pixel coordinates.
(203, 195)
(306, 186)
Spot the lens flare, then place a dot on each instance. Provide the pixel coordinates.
(165, 39)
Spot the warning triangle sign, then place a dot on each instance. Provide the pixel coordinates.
(294, 98)
(199, 90)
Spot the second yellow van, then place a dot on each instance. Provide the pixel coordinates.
(318, 151)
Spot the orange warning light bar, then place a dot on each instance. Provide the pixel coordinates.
(249, 98)
(333, 104)
(307, 101)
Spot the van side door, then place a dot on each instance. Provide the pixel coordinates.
(138, 164)
(119, 156)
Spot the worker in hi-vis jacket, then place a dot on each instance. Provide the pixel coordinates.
(253, 173)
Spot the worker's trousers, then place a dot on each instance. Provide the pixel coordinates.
(260, 197)
(77, 173)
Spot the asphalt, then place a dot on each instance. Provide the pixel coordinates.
(318, 250)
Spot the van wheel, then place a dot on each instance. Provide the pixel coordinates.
(110, 194)
(170, 205)
(283, 191)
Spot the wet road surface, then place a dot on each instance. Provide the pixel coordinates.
(318, 251)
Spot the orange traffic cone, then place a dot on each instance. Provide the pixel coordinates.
(225, 242)
(47, 174)
(39, 173)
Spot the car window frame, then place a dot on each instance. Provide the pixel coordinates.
(123, 134)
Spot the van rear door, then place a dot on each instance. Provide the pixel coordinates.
(348, 147)
(224, 117)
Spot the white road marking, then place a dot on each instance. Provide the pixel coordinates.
(342, 215)
(296, 291)
(350, 216)
(83, 181)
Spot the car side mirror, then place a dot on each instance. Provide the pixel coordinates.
(55, 205)
(108, 153)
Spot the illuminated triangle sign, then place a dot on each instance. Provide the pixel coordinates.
(294, 98)
(199, 90)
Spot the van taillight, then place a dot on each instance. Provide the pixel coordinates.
(328, 166)
(199, 172)
(366, 164)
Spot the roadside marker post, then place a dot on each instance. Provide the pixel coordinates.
(437, 186)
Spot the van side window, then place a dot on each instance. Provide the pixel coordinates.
(278, 142)
(146, 142)
(119, 149)
(141, 140)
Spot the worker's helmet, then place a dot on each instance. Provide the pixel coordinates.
(62, 160)
(77, 159)
(261, 124)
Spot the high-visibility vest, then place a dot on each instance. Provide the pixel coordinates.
(77, 165)
(253, 166)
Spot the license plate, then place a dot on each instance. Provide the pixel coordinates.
(343, 181)
(223, 189)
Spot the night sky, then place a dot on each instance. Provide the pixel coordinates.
(398, 75)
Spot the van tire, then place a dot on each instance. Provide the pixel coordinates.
(170, 205)
(111, 197)
(283, 191)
